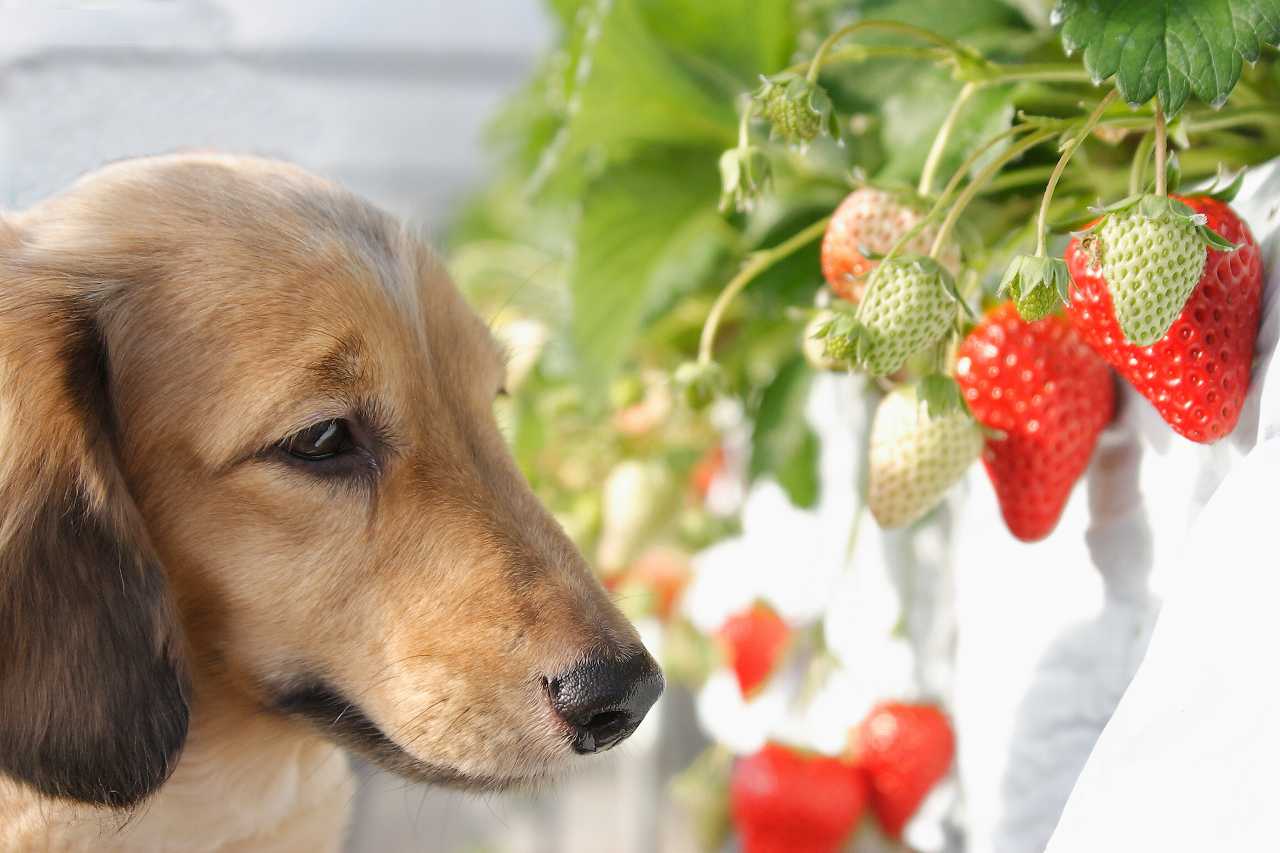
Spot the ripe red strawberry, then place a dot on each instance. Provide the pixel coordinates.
(754, 641)
(784, 802)
(706, 470)
(1197, 374)
(904, 750)
(658, 578)
(872, 219)
(1050, 396)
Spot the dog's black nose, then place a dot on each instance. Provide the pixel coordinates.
(605, 698)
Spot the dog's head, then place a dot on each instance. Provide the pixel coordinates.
(250, 453)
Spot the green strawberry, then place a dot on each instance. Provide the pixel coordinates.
(1151, 251)
(798, 110)
(909, 305)
(915, 458)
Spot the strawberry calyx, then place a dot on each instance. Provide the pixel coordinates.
(941, 395)
(1162, 208)
(1037, 285)
(798, 109)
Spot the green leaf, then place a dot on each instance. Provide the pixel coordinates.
(1170, 49)
(915, 111)
(631, 92)
(634, 217)
(745, 37)
(782, 444)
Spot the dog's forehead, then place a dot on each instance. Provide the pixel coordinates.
(255, 282)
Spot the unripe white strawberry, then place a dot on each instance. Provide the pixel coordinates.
(1151, 251)
(916, 458)
(909, 305)
(872, 220)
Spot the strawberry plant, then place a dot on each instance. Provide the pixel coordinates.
(992, 213)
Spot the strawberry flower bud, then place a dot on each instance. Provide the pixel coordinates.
(699, 382)
(745, 174)
(1037, 285)
(799, 110)
(814, 344)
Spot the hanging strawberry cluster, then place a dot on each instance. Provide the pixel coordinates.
(1164, 289)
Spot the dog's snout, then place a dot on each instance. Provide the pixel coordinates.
(605, 698)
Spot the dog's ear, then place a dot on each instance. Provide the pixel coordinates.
(93, 681)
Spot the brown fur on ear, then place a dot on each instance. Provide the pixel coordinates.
(93, 685)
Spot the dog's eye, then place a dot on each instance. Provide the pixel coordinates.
(324, 440)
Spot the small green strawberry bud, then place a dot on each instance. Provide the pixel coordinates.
(814, 343)
(1037, 286)
(745, 174)
(699, 382)
(839, 333)
(798, 110)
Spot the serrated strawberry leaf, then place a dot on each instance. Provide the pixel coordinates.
(1170, 49)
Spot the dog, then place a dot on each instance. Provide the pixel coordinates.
(255, 511)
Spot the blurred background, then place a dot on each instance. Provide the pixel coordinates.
(563, 155)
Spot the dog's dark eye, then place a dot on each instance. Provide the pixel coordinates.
(324, 440)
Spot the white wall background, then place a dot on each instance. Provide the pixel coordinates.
(388, 97)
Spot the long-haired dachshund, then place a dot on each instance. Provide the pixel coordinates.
(254, 509)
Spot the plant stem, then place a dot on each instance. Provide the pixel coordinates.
(943, 136)
(744, 123)
(1140, 157)
(956, 178)
(1230, 118)
(1162, 177)
(1042, 221)
(864, 52)
(756, 264)
(953, 215)
(819, 58)
(1044, 72)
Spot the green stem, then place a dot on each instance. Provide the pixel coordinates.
(1230, 118)
(1016, 150)
(954, 183)
(1042, 221)
(756, 264)
(943, 136)
(744, 124)
(819, 58)
(864, 52)
(1140, 157)
(1162, 177)
(1044, 72)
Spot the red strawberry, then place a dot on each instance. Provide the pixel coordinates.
(754, 641)
(1197, 375)
(705, 471)
(904, 750)
(1050, 396)
(659, 575)
(873, 219)
(784, 802)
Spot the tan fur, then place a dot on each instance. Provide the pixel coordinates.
(239, 301)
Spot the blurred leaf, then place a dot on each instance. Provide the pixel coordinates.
(782, 444)
(746, 37)
(913, 114)
(635, 217)
(635, 94)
